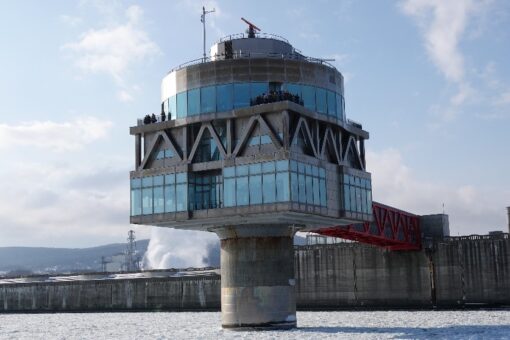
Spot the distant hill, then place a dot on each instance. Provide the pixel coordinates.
(26, 260)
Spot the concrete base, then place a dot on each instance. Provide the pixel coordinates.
(257, 279)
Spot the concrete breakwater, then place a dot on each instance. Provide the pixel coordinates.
(454, 273)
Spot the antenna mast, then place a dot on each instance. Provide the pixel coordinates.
(202, 20)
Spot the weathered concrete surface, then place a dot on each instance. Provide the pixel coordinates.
(457, 273)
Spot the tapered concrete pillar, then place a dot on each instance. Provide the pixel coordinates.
(257, 277)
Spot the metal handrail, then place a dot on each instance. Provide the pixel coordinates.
(257, 35)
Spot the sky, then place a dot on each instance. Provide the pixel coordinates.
(429, 80)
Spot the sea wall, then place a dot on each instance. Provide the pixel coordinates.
(455, 273)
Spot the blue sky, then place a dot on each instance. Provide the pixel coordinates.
(428, 79)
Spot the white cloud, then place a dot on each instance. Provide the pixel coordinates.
(472, 209)
(124, 96)
(52, 135)
(71, 20)
(112, 50)
(172, 248)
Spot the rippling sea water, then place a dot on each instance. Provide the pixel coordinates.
(480, 324)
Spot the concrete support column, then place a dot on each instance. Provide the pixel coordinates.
(257, 277)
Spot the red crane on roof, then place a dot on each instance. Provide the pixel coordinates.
(251, 28)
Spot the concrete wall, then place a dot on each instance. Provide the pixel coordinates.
(467, 272)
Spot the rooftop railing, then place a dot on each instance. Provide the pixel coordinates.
(257, 35)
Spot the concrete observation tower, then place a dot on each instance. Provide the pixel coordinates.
(252, 144)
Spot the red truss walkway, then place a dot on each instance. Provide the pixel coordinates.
(391, 228)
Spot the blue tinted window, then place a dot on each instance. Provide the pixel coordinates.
(208, 99)
(294, 187)
(302, 188)
(254, 141)
(158, 180)
(322, 173)
(293, 166)
(309, 190)
(256, 189)
(229, 172)
(331, 104)
(170, 198)
(241, 95)
(160, 154)
(242, 192)
(146, 182)
(353, 198)
(182, 104)
(268, 167)
(265, 139)
(147, 201)
(193, 102)
(269, 188)
(258, 89)
(169, 153)
(321, 101)
(309, 97)
(229, 190)
(364, 201)
(136, 202)
(242, 170)
(181, 195)
(339, 107)
(347, 198)
(224, 97)
(323, 193)
(282, 187)
(255, 169)
(170, 179)
(282, 165)
(172, 107)
(294, 89)
(316, 196)
(181, 177)
(369, 202)
(136, 183)
(159, 201)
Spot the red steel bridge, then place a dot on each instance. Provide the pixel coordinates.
(391, 228)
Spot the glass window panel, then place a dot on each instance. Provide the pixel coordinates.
(309, 190)
(294, 89)
(315, 171)
(160, 154)
(224, 97)
(147, 201)
(169, 153)
(182, 104)
(258, 89)
(308, 168)
(358, 199)
(369, 202)
(229, 189)
(321, 101)
(347, 198)
(309, 97)
(254, 141)
(369, 184)
(364, 201)
(136, 183)
(322, 173)
(193, 102)
(339, 107)
(323, 192)
(293, 166)
(302, 188)
(229, 172)
(269, 188)
(265, 139)
(170, 179)
(255, 168)
(346, 178)
(181, 197)
(146, 182)
(208, 99)
(136, 202)
(301, 167)
(256, 189)
(352, 180)
(242, 170)
(357, 181)
(282, 186)
(352, 191)
(159, 200)
(241, 95)
(268, 167)
(294, 187)
(172, 107)
(242, 191)
(158, 180)
(331, 104)
(316, 196)
(282, 165)
(170, 198)
(181, 177)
